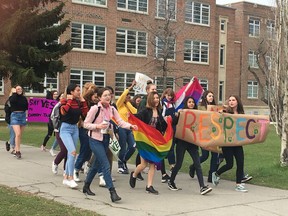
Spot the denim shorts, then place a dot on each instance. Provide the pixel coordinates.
(18, 118)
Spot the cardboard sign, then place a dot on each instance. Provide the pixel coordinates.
(141, 83)
(210, 129)
(39, 109)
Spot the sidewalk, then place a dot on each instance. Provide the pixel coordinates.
(33, 174)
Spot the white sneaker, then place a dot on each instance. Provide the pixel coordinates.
(241, 188)
(76, 176)
(54, 168)
(72, 184)
(64, 182)
(102, 182)
(52, 153)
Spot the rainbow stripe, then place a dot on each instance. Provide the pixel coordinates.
(151, 144)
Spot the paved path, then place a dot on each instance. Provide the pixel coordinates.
(33, 174)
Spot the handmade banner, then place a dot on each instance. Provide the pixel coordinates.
(210, 129)
(39, 109)
(151, 144)
(141, 83)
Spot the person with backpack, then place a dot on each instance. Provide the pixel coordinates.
(98, 123)
(7, 108)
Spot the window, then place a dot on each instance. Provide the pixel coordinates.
(197, 13)
(271, 29)
(131, 42)
(123, 81)
(49, 83)
(203, 82)
(253, 59)
(80, 77)
(221, 91)
(252, 89)
(133, 5)
(88, 37)
(166, 9)
(92, 2)
(159, 83)
(223, 25)
(222, 55)
(1, 85)
(254, 27)
(165, 48)
(196, 51)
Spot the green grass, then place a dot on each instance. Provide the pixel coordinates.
(261, 160)
(16, 202)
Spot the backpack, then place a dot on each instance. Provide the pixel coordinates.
(97, 114)
(55, 117)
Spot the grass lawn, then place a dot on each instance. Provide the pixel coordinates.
(261, 160)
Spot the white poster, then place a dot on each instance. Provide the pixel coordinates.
(141, 83)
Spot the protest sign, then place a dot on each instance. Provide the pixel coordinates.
(210, 129)
(141, 83)
(39, 109)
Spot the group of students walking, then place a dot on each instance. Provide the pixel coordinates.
(93, 118)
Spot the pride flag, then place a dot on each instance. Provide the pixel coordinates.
(151, 144)
(193, 88)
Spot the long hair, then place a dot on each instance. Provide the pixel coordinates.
(204, 101)
(186, 100)
(240, 108)
(150, 101)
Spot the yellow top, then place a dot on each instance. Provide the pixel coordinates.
(125, 108)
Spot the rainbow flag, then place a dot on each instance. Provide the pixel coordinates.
(193, 88)
(151, 144)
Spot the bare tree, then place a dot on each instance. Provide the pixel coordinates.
(273, 80)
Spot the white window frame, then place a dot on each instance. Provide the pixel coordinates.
(170, 83)
(124, 34)
(159, 48)
(271, 34)
(222, 55)
(133, 6)
(190, 51)
(223, 25)
(191, 13)
(1, 85)
(98, 36)
(221, 94)
(166, 9)
(97, 76)
(202, 82)
(254, 27)
(252, 90)
(51, 86)
(101, 3)
(123, 80)
(252, 59)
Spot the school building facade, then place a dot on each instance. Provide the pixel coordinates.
(112, 40)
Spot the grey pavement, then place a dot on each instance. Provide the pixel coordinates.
(33, 174)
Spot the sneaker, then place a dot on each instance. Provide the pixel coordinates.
(121, 170)
(76, 176)
(7, 146)
(151, 190)
(140, 177)
(172, 186)
(52, 153)
(64, 182)
(18, 154)
(13, 152)
(165, 178)
(204, 190)
(54, 168)
(215, 179)
(241, 188)
(132, 180)
(246, 178)
(71, 183)
(43, 148)
(102, 182)
(191, 171)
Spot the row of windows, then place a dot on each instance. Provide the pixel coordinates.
(195, 12)
(254, 28)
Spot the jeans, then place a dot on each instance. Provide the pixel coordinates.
(12, 136)
(192, 149)
(229, 154)
(85, 151)
(69, 134)
(99, 149)
(125, 136)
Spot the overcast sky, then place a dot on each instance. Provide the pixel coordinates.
(263, 2)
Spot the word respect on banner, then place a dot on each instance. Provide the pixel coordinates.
(39, 109)
(207, 129)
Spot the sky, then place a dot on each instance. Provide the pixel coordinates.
(262, 2)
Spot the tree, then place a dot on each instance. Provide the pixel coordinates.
(29, 47)
(274, 86)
